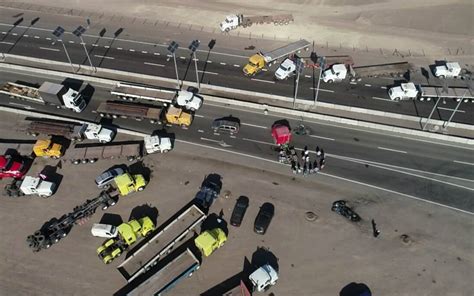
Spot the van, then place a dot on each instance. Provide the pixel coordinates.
(225, 125)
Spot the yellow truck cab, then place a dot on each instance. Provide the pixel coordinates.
(255, 65)
(178, 116)
(126, 183)
(210, 240)
(47, 148)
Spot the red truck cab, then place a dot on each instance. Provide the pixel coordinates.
(281, 134)
(11, 167)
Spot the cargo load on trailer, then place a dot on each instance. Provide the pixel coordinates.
(233, 21)
(70, 130)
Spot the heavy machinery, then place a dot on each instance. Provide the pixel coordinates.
(157, 144)
(183, 98)
(260, 60)
(48, 94)
(233, 21)
(170, 235)
(70, 130)
(47, 148)
(127, 183)
(56, 229)
(127, 234)
(210, 240)
(410, 91)
(30, 186)
(12, 166)
(91, 154)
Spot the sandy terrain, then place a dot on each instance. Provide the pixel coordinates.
(433, 27)
(315, 258)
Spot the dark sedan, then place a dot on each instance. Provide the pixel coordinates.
(264, 217)
(342, 209)
(239, 211)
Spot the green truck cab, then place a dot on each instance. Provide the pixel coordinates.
(127, 183)
(210, 240)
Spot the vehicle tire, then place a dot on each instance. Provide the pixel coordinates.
(55, 157)
(113, 203)
(118, 255)
(130, 158)
(105, 207)
(44, 196)
(101, 114)
(141, 188)
(108, 261)
(47, 246)
(164, 151)
(192, 109)
(92, 160)
(396, 99)
(330, 81)
(275, 23)
(76, 161)
(287, 22)
(102, 141)
(64, 234)
(190, 274)
(85, 160)
(227, 30)
(441, 77)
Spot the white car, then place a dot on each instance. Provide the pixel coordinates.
(104, 230)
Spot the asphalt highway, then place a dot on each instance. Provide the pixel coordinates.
(217, 67)
(433, 171)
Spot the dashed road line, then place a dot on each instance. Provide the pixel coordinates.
(6, 42)
(209, 62)
(70, 41)
(144, 51)
(200, 131)
(95, 45)
(463, 162)
(14, 34)
(264, 70)
(322, 89)
(237, 66)
(383, 87)
(169, 55)
(131, 49)
(104, 57)
(106, 46)
(254, 125)
(156, 53)
(324, 138)
(207, 72)
(442, 108)
(50, 49)
(368, 85)
(261, 80)
(352, 82)
(383, 99)
(37, 37)
(233, 137)
(26, 35)
(119, 48)
(393, 150)
(307, 76)
(223, 64)
(47, 38)
(183, 58)
(198, 115)
(153, 64)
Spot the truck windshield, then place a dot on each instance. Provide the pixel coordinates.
(252, 64)
(283, 68)
(8, 165)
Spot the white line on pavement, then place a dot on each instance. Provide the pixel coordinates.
(264, 70)
(322, 89)
(119, 48)
(106, 46)
(369, 85)
(383, 99)
(156, 53)
(462, 111)
(183, 58)
(324, 138)
(463, 162)
(26, 35)
(14, 34)
(352, 82)
(153, 64)
(169, 55)
(198, 115)
(6, 42)
(104, 57)
(131, 49)
(237, 66)
(47, 38)
(37, 37)
(200, 131)
(307, 76)
(21, 105)
(70, 41)
(383, 87)
(261, 80)
(223, 64)
(48, 48)
(254, 125)
(209, 62)
(393, 150)
(95, 45)
(144, 51)
(207, 72)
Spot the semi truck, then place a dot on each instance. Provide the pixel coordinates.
(128, 233)
(410, 91)
(260, 60)
(30, 186)
(260, 280)
(233, 21)
(172, 234)
(91, 154)
(128, 183)
(183, 98)
(48, 94)
(448, 70)
(56, 229)
(70, 130)
(155, 144)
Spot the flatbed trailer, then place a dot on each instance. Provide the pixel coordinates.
(160, 244)
(163, 278)
(22, 92)
(284, 51)
(381, 70)
(67, 130)
(457, 93)
(111, 109)
(91, 154)
(131, 92)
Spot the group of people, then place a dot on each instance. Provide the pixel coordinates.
(304, 165)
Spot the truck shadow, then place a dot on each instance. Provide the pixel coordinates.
(88, 93)
(72, 83)
(52, 175)
(214, 221)
(140, 168)
(111, 219)
(263, 256)
(144, 210)
(355, 289)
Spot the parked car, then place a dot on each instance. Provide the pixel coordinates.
(104, 230)
(226, 125)
(342, 209)
(239, 211)
(264, 217)
(108, 176)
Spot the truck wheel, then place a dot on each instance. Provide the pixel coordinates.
(441, 77)
(396, 99)
(164, 151)
(140, 188)
(101, 114)
(192, 109)
(84, 161)
(330, 81)
(130, 158)
(44, 196)
(227, 30)
(287, 22)
(92, 160)
(244, 25)
(76, 161)
(108, 261)
(105, 207)
(275, 23)
(152, 121)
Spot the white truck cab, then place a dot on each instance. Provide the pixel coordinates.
(104, 230)
(97, 132)
(403, 92)
(448, 70)
(73, 100)
(35, 185)
(263, 278)
(335, 73)
(231, 22)
(189, 100)
(286, 69)
(157, 144)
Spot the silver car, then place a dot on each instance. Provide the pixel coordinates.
(108, 176)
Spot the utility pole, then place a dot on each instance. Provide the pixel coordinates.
(58, 32)
(172, 49)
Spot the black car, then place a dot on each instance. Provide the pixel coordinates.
(264, 217)
(239, 211)
(341, 208)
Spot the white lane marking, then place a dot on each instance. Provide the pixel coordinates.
(216, 134)
(153, 64)
(106, 46)
(14, 34)
(237, 66)
(6, 42)
(383, 87)
(223, 64)
(210, 140)
(393, 150)
(324, 138)
(264, 70)
(48, 48)
(322, 89)
(104, 57)
(70, 41)
(26, 35)
(257, 141)
(462, 111)
(21, 105)
(352, 82)
(261, 80)
(463, 162)
(156, 53)
(209, 62)
(200, 131)
(369, 85)
(169, 55)
(131, 49)
(183, 58)
(144, 51)
(119, 48)
(4, 33)
(233, 137)
(383, 99)
(200, 116)
(253, 125)
(220, 142)
(331, 176)
(307, 76)
(37, 37)
(207, 72)
(95, 45)
(47, 38)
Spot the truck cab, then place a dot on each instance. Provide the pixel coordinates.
(255, 65)
(34, 185)
(47, 148)
(73, 100)
(189, 100)
(97, 132)
(11, 167)
(286, 69)
(263, 278)
(448, 70)
(157, 144)
(231, 22)
(126, 183)
(177, 116)
(335, 73)
(210, 240)
(403, 92)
